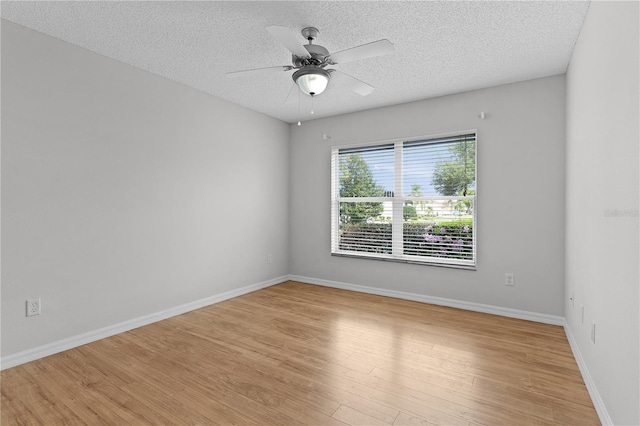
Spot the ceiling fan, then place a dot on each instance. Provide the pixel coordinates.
(311, 61)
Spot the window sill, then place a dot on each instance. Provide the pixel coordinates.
(467, 267)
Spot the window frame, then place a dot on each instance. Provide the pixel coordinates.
(398, 203)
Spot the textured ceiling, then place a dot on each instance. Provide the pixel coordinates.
(440, 47)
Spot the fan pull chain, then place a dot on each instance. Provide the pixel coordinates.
(299, 123)
(312, 112)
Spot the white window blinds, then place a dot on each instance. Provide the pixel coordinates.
(410, 201)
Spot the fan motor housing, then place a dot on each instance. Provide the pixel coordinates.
(317, 52)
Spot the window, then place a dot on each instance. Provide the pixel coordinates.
(409, 201)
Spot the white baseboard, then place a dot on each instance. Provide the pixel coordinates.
(91, 336)
(470, 306)
(601, 409)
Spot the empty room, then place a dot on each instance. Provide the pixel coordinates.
(322, 213)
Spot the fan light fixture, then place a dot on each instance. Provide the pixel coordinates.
(310, 61)
(311, 80)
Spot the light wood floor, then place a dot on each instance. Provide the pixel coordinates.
(301, 354)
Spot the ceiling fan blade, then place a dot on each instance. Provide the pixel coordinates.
(351, 83)
(369, 50)
(265, 70)
(288, 40)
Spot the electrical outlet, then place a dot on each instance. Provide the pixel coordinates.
(593, 332)
(582, 313)
(33, 307)
(509, 280)
(269, 259)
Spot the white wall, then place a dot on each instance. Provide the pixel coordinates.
(124, 194)
(520, 195)
(602, 174)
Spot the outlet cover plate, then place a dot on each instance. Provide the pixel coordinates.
(509, 280)
(33, 307)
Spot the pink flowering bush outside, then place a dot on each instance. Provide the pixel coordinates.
(452, 240)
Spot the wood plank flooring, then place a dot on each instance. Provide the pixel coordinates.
(301, 354)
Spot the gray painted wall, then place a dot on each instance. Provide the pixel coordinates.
(602, 175)
(520, 195)
(124, 194)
